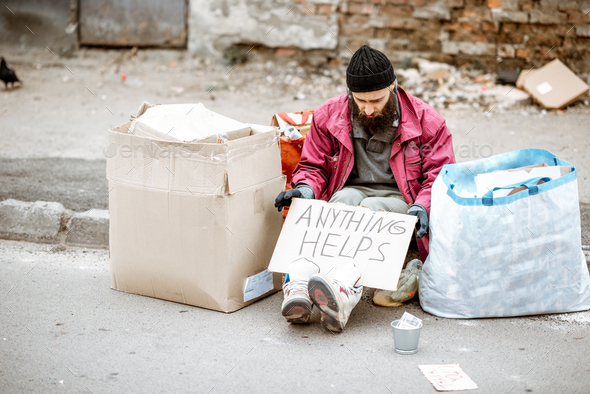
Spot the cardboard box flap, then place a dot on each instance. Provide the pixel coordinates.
(144, 107)
(143, 130)
(523, 76)
(205, 168)
(166, 165)
(245, 156)
(258, 129)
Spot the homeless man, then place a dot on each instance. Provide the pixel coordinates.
(378, 147)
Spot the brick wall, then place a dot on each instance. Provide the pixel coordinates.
(493, 33)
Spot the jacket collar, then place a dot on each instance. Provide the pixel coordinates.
(410, 125)
(340, 125)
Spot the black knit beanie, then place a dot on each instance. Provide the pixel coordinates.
(369, 70)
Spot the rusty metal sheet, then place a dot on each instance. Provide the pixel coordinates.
(133, 22)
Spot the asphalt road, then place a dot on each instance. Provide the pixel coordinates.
(62, 329)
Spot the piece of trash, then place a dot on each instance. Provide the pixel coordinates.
(172, 64)
(300, 96)
(177, 89)
(65, 79)
(407, 287)
(123, 77)
(292, 133)
(258, 285)
(409, 321)
(99, 84)
(449, 377)
(71, 27)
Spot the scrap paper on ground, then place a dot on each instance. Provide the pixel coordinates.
(449, 377)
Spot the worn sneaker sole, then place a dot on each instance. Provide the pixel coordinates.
(297, 310)
(323, 297)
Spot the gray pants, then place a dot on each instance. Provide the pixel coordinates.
(375, 200)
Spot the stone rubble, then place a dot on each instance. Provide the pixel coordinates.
(440, 85)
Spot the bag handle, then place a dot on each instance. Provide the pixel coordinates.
(530, 184)
(286, 118)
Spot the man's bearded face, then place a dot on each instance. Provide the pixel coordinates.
(374, 111)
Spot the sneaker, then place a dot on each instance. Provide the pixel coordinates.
(335, 297)
(296, 305)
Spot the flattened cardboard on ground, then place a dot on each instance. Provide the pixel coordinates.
(190, 223)
(333, 234)
(554, 85)
(522, 77)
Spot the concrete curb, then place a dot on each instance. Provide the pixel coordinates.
(50, 222)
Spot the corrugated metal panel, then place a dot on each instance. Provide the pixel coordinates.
(133, 22)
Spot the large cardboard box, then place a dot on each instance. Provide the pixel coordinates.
(191, 222)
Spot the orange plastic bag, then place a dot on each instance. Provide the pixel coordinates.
(291, 149)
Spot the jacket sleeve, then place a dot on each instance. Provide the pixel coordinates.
(436, 152)
(313, 165)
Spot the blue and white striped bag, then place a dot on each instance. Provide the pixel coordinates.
(505, 256)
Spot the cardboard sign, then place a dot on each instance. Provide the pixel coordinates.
(448, 377)
(333, 234)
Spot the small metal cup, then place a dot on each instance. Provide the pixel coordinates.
(405, 340)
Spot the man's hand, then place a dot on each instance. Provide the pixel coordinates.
(422, 225)
(284, 198)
